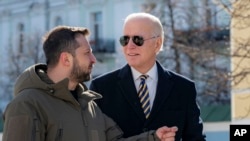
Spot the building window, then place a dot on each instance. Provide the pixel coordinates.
(99, 43)
(21, 37)
(97, 30)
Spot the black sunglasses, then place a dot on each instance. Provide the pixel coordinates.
(138, 40)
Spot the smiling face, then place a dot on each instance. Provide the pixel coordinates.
(142, 58)
(83, 61)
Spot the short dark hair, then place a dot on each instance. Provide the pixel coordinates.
(61, 39)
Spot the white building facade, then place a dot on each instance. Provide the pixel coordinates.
(24, 22)
(23, 19)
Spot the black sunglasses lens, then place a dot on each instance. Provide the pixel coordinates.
(124, 40)
(138, 40)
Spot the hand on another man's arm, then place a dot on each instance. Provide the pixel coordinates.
(166, 133)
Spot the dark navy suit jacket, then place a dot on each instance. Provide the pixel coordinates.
(174, 104)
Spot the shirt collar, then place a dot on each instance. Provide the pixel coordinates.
(152, 73)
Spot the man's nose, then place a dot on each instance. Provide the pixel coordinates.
(131, 44)
(93, 58)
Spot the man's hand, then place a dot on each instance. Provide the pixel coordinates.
(166, 133)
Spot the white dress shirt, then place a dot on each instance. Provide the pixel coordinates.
(151, 81)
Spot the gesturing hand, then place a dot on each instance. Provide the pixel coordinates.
(166, 133)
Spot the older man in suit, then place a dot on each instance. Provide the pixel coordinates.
(143, 95)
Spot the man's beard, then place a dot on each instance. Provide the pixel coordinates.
(78, 74)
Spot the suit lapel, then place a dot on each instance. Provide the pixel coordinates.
(164, 86)
(128, 90)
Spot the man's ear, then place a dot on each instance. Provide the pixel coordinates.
(65, 59)
(158, 44)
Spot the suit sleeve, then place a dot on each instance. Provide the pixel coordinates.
(194, 127)
(114, 133)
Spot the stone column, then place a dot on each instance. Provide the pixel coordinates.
(240, 62)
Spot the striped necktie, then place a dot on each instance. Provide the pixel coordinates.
(144, 95)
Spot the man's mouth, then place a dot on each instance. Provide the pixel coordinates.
(132, 54)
